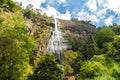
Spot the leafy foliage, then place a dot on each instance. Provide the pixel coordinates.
(16, 48)
(92, 68)
(47, 70)
(110, 49)
(69, 61)
(90, 48)
(75, 42)
(104, 35)
(28, 13)
(116, 29)
(9, 5)
(81, 21)
(97, 68)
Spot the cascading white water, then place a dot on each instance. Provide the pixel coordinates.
(55, 41)
(56, 45)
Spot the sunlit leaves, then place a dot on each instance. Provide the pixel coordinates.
(47, 70)
(69, 61)
(16, 48)
(104, 35)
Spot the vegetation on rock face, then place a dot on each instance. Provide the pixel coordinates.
(81, 21)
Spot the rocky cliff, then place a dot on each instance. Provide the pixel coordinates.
(41, 28)
(82, 30)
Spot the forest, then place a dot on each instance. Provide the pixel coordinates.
(97, 58)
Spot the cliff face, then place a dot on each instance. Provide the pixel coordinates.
(81, 30)
(41, 29)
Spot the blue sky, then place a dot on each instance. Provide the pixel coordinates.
(99, 12)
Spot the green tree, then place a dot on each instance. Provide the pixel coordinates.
(90, 48)
(103, 35)
(110, 49)
(47, 69)
(116, 29)
(43, 24)
(9, 5)
(16, 48)
(92, 68)
(29, 7)
(38, 11)
(82, 22)
(75, 42)
(116, 44)
(28, 13)
(99, 67)
(69, 61)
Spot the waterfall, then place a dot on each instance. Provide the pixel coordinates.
(56, 45)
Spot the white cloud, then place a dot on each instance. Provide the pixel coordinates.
(66, 16)
(35, 3)
(102, 3)
(55, 2)
(51, 11)
(114, 5)
(91, 4)
(51, 2)
(98, 9)
(118, 20)
(109, 21)
(61, 1)
(82, 15)
(110, 4)
(101, 13)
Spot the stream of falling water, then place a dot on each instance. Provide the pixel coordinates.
(55, 45)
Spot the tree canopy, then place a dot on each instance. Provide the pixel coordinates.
(47, 69)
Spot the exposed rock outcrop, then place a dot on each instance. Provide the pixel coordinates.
(41, 28)
(73, 28)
